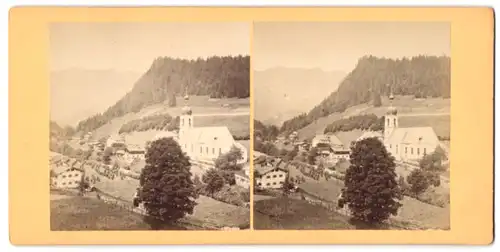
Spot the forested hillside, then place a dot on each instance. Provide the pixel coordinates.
(421, 76)
(216, 76)
(265, 132)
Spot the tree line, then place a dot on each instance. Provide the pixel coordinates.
(168, 78)
(362, 122)
(420, 76)
(153, 122)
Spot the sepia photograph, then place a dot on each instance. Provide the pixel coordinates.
(149, 126)
(351, 125)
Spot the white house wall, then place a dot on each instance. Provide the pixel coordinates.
(273, 179)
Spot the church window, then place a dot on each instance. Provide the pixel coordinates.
(388, 122)
(182, 122)
(425, 151)
(406, 150)
(268, 176)
(390, 146)
(281, 182)
(220, 151)
(213, 151)
(412, 151)
(281, 175)
(189, 122)
(274, 176)
(206, 150)
(418, 151)
(394, 122)
(268, 184)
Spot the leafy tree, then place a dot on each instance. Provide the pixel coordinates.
(311, 155)
(434, 161)
(371, 190)
(229, 161)
(377, 100)
(419, 181)
(166, 188)
(172, 100)
(228, 177)
(213, 180)
(403, 185)
(106, 157)
(283, 153)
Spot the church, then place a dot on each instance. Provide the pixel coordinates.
(204, 144)
(407, 144)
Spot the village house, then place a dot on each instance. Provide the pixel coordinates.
(242, 177)
(64, 176)
(301, 146)
(116, 141)
(120, 153)
(271, 175)
(330, 149)
(135, 152)
(293, 136)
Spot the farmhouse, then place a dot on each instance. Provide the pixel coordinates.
(64, 176)
(271, 175)
(135, 151)
(116, 141)
(407, 144)
(330, 148)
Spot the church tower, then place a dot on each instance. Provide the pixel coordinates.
(391, 119)
(186, 119)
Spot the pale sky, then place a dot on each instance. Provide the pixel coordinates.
(134, 46)
(339, 45)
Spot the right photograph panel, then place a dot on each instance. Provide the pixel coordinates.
(352, 125)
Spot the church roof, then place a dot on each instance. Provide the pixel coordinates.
(414, 135)
(210, 135)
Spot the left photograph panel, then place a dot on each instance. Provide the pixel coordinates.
(149, 126)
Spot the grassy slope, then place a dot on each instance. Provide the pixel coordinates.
(412, 209)
(269, 214)
(69, 212)
(238, 125)
(77, 213)
(405, 105)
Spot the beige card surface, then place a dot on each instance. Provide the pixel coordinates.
(251, 125)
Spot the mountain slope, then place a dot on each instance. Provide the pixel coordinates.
(421, 76)
(76, 94)
(282, 93)
(216, 76)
